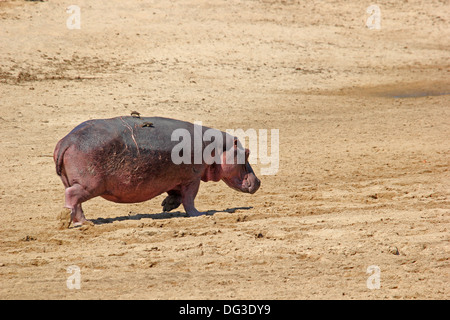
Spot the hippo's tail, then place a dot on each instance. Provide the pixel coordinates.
(58, 155)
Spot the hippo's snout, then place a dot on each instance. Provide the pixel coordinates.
(253, 183)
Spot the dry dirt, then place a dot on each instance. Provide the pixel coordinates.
(364, 124)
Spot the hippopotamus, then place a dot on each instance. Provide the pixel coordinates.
(129, 159)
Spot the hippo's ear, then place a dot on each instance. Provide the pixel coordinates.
(227, 143)
(237, 144)
(237, 153)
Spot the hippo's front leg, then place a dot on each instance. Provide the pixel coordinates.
(188, 193)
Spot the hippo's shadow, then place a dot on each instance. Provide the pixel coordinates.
(161, 215)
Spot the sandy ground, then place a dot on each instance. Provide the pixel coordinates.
(363, 176)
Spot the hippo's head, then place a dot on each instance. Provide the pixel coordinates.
(234, 169)
(240, 176)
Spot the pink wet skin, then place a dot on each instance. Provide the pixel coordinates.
(124, 178)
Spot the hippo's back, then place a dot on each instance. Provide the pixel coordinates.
(138, 134)
(103, 140)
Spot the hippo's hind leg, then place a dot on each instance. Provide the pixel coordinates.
(75, 195)
(172, 201)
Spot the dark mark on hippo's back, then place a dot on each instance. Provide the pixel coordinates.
(147, 124)
(129, 166)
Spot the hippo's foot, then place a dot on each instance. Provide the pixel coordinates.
(65, 219)
(194, 213)
(171, 202)
(83, 223)
(78, 218)
(72, 216)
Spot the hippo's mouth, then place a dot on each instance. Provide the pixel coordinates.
(249, 184)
